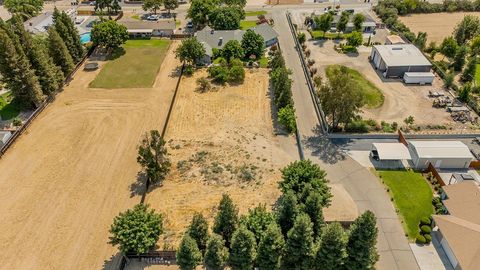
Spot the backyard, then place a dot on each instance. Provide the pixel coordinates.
(134, 65)
(411, 195)
(372, 95)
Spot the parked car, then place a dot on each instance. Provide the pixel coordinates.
(189, 25)
(153, 18)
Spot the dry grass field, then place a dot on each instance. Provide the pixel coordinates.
(221, 141)
(437, 25)
(70, 174)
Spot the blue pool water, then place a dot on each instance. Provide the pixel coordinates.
(85, 37)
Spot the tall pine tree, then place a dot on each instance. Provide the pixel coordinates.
(243, 250)
(59, 52)
(50, 76)
(188, 255)
(313, 207)
(198, 230)
(287, 212)
(331, 252)
(361, 249)
(270, 248)
(226, 220)
(17, 73)
(299, 245)
(216, 255)
(67, 31)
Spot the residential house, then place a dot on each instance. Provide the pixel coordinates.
(160, 28)
(40, 23)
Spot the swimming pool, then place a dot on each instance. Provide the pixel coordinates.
(85, 37)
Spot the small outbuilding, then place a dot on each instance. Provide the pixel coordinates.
(390, 155)
(418, 77)
(161, 28)
(394, 60)
(394, 39)
(441, 154)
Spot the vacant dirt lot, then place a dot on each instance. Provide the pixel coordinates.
(68, 176)
(437, 25)
(221, 141)
(400, 101)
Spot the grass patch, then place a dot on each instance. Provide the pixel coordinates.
(177, 23)
(244, 25)
(263, 62)
(135, 65)
(255, 13)
(317, 34)
(412, 197)
(136, 17)
(477, 75)
(8, 110)
(372, 95)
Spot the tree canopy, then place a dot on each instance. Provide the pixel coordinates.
(152, 5)
(343, 21)
(216, 255)
(270, 248)
(331, 252)
(198, 230)
(361, 245)
(24, 8)
(136, 230)
(152, 155)
(188, 255)
(243, 249)
(253, 44)
(232, 50)
(170, 5)
(449, 47)
(190, 51)
(257, 220)
(355, 39)
(226, 220)
(358, 20)
(200, 10)
(323, 22)
(299, 244)
(226, 18)
(467, 29)
(59, 52)
(109, 34)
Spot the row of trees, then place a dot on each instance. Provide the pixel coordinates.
(294, 236)
(34, 67)
(155, 5)
(112, 6)
(24, 8)
(221, 15)
(324, 22)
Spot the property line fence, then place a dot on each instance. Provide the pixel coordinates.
(16, 134)
(316, 103)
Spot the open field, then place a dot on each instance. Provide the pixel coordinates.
(372, 95)
(400, 100)
(72, 172)
(437, 25)
(220, 141)
(135, 65)
(411, 195)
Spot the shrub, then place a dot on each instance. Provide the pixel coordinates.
(428, 238)
(17, 122)
(218, 73)
(421, 239)
(426, 229)
(188, 70)
(236, 63)
(425, 221)
(357, 126)
(236, 74)
(203, 85)
(286, 116)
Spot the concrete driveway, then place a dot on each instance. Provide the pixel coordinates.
(365, 189)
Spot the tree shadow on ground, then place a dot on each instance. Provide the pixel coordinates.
(116, 53)
(176, 72)
(138, 187)
(323, 148)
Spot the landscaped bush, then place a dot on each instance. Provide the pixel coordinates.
(218, 73)
(421, 239)
(188, 70)
(426, 229)
(428, 238)
(425, 221)
(357, 126)
(236, 74)
(286, 116)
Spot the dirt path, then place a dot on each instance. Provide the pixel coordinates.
(70, 173)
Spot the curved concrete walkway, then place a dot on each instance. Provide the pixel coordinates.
(364, 187)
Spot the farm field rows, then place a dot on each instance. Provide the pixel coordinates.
(71, 173)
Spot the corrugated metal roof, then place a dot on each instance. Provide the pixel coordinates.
(401, 55)
(392, 151)
(441, 149)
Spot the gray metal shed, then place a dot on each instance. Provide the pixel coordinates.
(441, 154)
(394, 60)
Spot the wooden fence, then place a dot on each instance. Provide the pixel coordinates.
(435, 174)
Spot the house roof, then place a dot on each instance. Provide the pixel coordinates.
(392, 151)
(401, 55)
(218, 38)
(40, 23)
(463, 201)
(441, 149)
(150, 25)
(395, 39)
(266, 31)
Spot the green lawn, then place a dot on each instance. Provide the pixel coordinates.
(317, 34)
(136, 68)
(136, 17)
(263, 62)
(244, 25)
(255, 13)
(477, 75)
(412, 197)
(7, 109)
(372, 95)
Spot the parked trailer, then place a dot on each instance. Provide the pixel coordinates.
(418, 77)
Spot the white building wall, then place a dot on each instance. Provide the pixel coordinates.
(449, 252)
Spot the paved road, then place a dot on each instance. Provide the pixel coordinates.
(365, 188)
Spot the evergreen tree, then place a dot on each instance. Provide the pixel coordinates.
(313, 207)
(17, 74)
(59, 52)
(469, 72)
(331, 253)
(65, 27)
(50, 76)
(270, 248)
(459, 59)
(361, 245)
(257, 220)
(198, 230)
(188, 255)
(299, 245)
(216, 254)
(243, 249)
(253, 44)
(226, 219)
(287, 212)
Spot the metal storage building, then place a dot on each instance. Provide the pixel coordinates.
(441, 154)
(395, 60)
